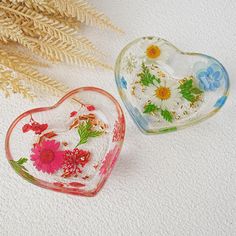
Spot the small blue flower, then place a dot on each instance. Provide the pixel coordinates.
(209, 78)
(123, 82)
(220, 102)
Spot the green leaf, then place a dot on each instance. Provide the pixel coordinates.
(187, 84)
(149, 108)
(165, 130)
(196, 91)
(20, 169)
(85, 132)
(167, 115)
(95, 133)
(18, 165)
(188, 96)
(146, 77)
(21, 161)
(83, 139)
(188, 91)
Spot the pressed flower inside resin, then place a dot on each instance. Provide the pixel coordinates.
(46, 156)
(72, 146)
(153, 51)
(74, 161)
(165, 89)
(163, 93)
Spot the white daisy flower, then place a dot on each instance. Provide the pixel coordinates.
(165, 95)
(154, 51)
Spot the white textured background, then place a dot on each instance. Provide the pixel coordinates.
(182, 183)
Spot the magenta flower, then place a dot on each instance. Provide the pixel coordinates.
(110, 160)
(47, 156)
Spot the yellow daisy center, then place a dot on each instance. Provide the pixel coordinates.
(163, 93)
(153, 52)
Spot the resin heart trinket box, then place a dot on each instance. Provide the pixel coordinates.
(70, 147)
(165, 89)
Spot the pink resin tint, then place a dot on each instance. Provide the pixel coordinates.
(70, 147)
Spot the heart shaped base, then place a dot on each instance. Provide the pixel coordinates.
(165, 89)
(70, 147)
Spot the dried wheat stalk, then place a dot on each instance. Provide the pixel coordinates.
(17, 76)
(48, 28)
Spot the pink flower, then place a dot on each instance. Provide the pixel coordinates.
(34, 126)
(74, 161)
(110, 160)
(39, 128)
(47, 157)
(73, 113)
(119, 130)
(90, 107)
(26, 128)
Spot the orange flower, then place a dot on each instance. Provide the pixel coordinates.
(153, 52)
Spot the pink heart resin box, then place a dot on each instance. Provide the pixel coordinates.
(70, 147)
